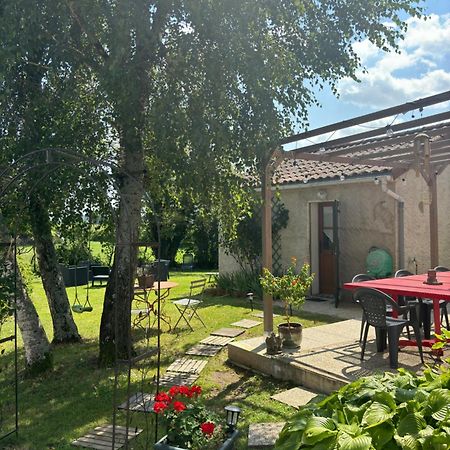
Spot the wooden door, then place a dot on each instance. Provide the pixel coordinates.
(328, 248)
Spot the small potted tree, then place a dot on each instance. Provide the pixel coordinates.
(290, 288)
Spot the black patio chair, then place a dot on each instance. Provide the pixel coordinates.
(374, 304)
(426, 304)
(356, 279)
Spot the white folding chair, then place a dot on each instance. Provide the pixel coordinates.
(187, 307)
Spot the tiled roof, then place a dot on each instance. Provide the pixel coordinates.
(292, 171)
(301, 171)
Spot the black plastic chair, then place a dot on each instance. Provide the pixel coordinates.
(357, 279)
(374, 303)
(426, 305)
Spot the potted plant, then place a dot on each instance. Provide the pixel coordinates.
(190, 425)
(145, 277)
(291, 289)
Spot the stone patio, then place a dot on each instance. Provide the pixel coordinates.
(328, 359)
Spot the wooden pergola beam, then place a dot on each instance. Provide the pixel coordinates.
(405, 107)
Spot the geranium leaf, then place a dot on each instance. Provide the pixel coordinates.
(375, 414)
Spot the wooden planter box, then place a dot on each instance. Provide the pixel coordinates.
(227, 445)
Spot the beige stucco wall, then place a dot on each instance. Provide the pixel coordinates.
(368, 217)
(414, 191)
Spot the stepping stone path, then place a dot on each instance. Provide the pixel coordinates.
(261, 315)
(228, 332)
(246, 323)
(187, 365)
(221, 341)
(101, 438)
(294, 397)
(204, 350)
(176, 379)
(139, 402)
(263, 434)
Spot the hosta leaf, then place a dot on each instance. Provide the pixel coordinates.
(353, 429)
(347, 442)
(381, 434)
(289, 441)
(353, 411)
(403, 395)
(326, 444)
(317, 429)
(385, 398)
(375, 414)
(407, 442)
(412, 423)
(438, 402)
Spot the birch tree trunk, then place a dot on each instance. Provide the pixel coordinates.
(38, 354)
(64, 327)
(115, 327)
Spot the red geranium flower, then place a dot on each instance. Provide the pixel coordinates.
(179, 406)
(159, 407)
(196, 390)
(184, 390)
(162, 397)
(207, 428)
(174, 391)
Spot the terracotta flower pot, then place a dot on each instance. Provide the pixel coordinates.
(291, 334)
(146, 281)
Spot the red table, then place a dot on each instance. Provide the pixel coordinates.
(413, 286)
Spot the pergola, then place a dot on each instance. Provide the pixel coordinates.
(398, 147)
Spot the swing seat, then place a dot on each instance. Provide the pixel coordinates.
(78, 308)
(81, 309)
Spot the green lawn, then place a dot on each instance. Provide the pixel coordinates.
(64, 404)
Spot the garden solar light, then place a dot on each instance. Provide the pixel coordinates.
(232, 416)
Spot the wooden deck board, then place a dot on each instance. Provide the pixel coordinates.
(101, 438)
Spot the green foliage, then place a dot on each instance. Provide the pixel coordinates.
(387, 411)
(245, 242)
(291, 287)
(240, 283)
(189, 423)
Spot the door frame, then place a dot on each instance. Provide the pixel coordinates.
(313, 223)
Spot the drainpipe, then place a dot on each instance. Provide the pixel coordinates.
(401, 221)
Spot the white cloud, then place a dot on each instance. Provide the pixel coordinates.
(421, 69)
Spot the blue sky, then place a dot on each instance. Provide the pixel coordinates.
(422, 69)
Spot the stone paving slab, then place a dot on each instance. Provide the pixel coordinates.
(228, 332)
(264, 435)
(294, 397)
(204, 350)
(170, 379)
(246, 323)
(187, 365)
(261, 315)
(221, 341)
(101, 438)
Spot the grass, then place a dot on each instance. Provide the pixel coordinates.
(64, 404)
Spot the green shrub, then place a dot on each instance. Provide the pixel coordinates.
(390, 411)
(240, 283)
